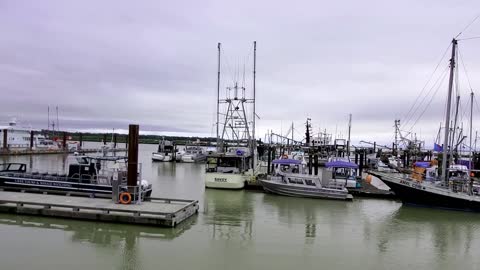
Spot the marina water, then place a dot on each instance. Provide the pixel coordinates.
(243, 230)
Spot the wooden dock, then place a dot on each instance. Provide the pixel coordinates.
(155, 212)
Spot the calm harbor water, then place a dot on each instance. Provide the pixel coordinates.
(244, 230)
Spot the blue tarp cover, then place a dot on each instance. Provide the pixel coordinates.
(341, 164)
(422, 164)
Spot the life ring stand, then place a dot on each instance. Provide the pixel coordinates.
(125, 198)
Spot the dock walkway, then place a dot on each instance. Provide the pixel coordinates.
(155, 212)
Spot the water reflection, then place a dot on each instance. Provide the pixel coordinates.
(230, 213)
(105, 235)
(447, 230)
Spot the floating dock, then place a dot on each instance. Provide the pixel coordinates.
(154, 212)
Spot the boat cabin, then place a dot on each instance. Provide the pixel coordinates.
(234, 161)
(342, 173)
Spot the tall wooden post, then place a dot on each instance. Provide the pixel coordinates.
(5, 139)
(32, 133)
(105, 139)
(81, 140)
(64, 141)
(132, 169)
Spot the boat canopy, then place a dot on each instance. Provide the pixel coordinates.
(286, 161)
(422, 164)
(341, 164)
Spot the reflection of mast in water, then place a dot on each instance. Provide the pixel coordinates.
(230, 213)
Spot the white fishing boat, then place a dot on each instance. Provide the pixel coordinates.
(233, 164)
(229, 170)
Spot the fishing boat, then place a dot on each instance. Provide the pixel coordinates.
(290, 179)
(439, 184)
(232, 165)
(165, 152)
(85, 175)
(194, 154)
(229, 170)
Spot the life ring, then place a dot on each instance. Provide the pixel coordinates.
(125, 198)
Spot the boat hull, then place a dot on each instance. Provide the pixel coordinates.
(158, 157)
(225, 180)
(412, 194)
(31, 184)
(304, 191)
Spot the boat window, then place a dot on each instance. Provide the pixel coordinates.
(309, 182)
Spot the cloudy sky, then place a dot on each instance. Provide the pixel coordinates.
(106, 64)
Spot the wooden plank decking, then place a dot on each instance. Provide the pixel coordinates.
(156, 212)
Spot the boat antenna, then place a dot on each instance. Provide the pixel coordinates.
(349, 131)
(58, 124)
(48, 118)
(218, 97)
(447, 115)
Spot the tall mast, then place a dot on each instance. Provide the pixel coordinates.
(254, 96)
(349, 130)
(447, 116)
(218, 98)
(471, 130)
(58, 124)
(455, 124)
(48, 118)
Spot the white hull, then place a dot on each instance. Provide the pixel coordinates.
(225, 180)
(158, 157)
(193, 158)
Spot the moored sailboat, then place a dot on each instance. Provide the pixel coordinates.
(448, 186)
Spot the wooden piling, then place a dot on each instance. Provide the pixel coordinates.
(315, 164)
(32, 133)
(310, 163)
(269, 159)
(81, 140)
(105, 139)
(5, 139)
(64, 141)
(360, 166)
(132, 169)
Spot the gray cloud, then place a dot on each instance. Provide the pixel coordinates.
(110, 63)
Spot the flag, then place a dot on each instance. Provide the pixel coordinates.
(437, 147)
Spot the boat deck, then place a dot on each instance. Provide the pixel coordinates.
(155, 212)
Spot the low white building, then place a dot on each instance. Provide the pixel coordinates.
(17, 137)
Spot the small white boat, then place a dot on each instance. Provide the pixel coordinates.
(165, 152)
(193, 154)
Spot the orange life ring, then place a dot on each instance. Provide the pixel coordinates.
(125, 198)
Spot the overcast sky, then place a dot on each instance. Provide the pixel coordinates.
(106, 64)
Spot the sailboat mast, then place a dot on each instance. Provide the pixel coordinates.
(218, 98)
(447, 116)
(349, 131)
(254, 97)
(471, 131)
